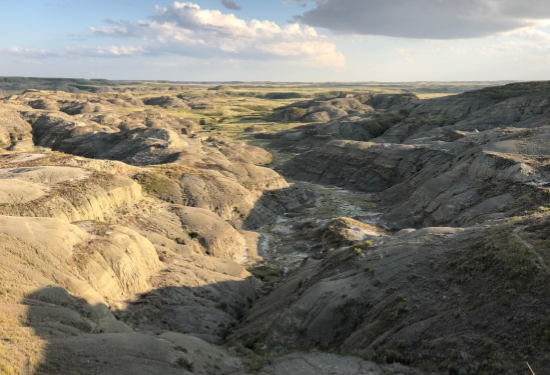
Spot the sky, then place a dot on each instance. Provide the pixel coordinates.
(277, 40)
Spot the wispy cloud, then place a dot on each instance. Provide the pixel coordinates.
(109, 51)
(405, 55)
(28, 53)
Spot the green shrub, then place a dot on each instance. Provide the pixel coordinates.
(429, 366)
(365, 244)
(185, 363)
(256, 362)
(266, 274)
(283, 95)
(222, 306)
(7, 370)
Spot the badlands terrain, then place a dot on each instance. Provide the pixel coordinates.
(185, 228)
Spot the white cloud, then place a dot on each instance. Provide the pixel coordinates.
(35, 55)
(109, 51)
(525, 45)
(532, 34)
(405, 55)
(459, 50)
(28, 53)
(425, 19)
(186, 29)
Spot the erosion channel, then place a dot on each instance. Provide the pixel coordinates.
(156, 228)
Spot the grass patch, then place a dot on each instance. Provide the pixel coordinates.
(154, 183)
(268, 275)
(184, 363)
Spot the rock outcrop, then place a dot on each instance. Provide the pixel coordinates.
(320, 110)
(166, 102)
(15, 133)
(392, 300)
(473, 169)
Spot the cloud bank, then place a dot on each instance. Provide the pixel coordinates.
(425, 19)
(186, 29)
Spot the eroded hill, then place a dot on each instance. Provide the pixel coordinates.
(145, 232)
(460, 285)
(126, 234)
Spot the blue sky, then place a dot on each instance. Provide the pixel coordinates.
(291, 40)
